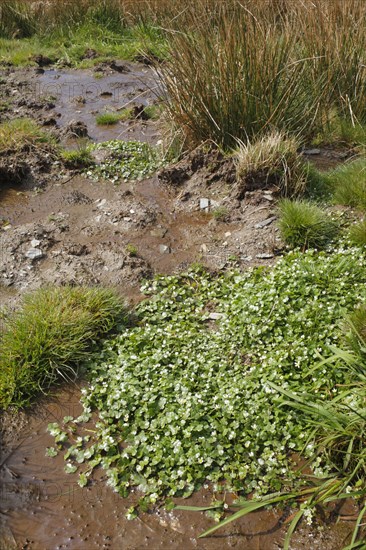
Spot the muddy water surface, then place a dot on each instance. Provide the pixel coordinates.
(80, 96)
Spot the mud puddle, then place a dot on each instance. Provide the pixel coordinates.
(43, 508)
(80, 96)
(58, 97)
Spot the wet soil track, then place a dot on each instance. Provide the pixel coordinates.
(83, 228)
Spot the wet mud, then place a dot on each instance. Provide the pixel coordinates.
(60, 98)
(83, 232)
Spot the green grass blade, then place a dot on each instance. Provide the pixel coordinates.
(291, 529)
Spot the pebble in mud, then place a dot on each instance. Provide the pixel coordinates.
(204, 204)
(34, 254)
(164, 249)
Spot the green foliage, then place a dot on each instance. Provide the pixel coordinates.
(304, 224)
(132, 250)
(64, 30)
(127, 160)
(357, 233)
(335, 427)
(152, 112)
(192, 403)
(356, 338)
(348, 182)
(342, 131)
(78, 158)
(22, 132)
(220, 213)
(317, 184)
(108, 119)
(50, 335)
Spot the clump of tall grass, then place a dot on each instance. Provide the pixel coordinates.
(304, 224)
(21, 132)
(50, 335)
(348, 182)
(254, 65)
(235, 76)
(273, 159)
(357, 233)
(17, 19)
(21, 19)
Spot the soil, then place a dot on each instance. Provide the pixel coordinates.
(57, 226)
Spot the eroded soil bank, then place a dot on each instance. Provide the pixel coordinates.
(85, 232)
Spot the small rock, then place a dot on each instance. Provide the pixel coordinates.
(35, 243)
(268, 196)
(160, 232)
(228, 234)
(266, 222)
(204, 248)
(101, 203)
(126, 219)
(132, 211)
(204, 204)
(312, 151)
(164, 249)
(264, 256)
(34, 254)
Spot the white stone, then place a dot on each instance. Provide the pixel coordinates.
(34, 254)
(204, 204)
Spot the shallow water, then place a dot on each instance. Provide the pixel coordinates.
(80, 96)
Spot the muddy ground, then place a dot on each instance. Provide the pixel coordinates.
(58, 226)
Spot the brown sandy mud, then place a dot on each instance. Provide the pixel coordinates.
(59, 226)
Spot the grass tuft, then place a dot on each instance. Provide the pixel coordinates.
(303, 224)
(108, 119)
(357, 233)
(22, 132)
(220, 214)
(348, 182)
(273, 159)
(78, 158)
(50, 335)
